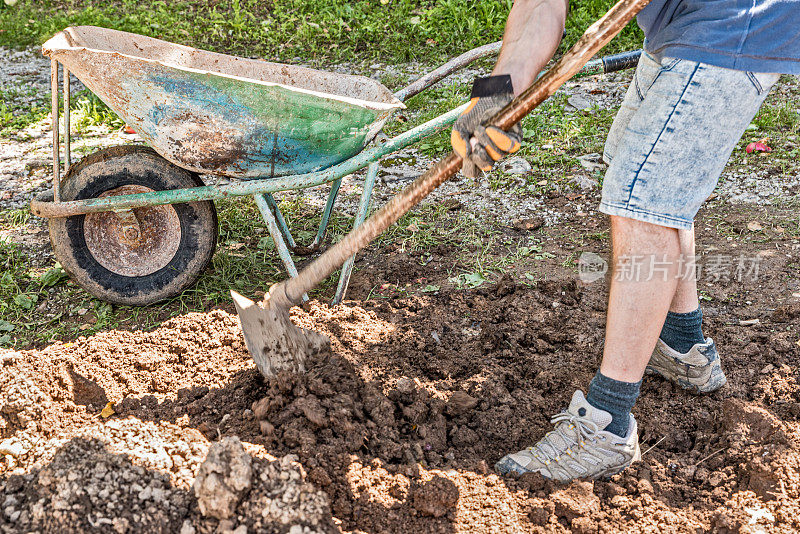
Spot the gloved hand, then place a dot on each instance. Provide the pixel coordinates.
(478, 145)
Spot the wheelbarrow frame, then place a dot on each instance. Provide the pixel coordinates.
(50, 205)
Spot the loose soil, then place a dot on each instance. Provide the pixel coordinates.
(396, 428)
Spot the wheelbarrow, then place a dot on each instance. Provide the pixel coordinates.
(135, 224)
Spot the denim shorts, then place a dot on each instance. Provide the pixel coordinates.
(678, 124)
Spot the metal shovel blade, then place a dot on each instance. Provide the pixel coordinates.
(274, 341)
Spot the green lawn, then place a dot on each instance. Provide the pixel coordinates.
(318, 31)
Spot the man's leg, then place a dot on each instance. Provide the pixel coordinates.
(683, 328)
(682, 353)
(685, 299)
(645, 258)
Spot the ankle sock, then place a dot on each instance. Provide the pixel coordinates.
(616, 398)
(682, 331)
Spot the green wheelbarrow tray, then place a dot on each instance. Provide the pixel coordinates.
(224, 115)
(269, 127)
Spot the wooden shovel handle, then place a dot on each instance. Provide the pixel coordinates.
(595, 38)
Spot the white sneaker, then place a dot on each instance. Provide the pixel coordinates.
(697, 371)
(578, 447)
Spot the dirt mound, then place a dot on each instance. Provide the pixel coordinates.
(396, 428)
(84, 477)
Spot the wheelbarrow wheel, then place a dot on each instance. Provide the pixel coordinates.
(140, 256)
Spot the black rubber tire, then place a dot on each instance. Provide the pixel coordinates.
(109, 169)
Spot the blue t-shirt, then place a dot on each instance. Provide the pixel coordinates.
(751, 35)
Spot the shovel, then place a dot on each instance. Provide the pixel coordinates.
(276, 343)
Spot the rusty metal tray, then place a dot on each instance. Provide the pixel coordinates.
(224, 115)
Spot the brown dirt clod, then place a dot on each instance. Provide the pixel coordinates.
(436, 497)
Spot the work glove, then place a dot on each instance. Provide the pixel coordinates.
(480, 146)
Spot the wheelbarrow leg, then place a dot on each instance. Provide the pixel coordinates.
(323, 224)
(282, 226)
(326, 215)
(66, 91)
(363, 208)
(56, 138)
(277, 236)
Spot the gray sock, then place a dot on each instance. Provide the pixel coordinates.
(616, 398)
(682, 331)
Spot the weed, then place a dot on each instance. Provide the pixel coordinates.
(530, 279)
(779, 117)
(15, 218)
(427, 106)
(469, 280)
(20, 108)
(89, 111)
(421, 229)
(20, 291)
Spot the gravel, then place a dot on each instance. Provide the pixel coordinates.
(128, 475)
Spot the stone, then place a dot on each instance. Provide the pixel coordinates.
(224, 477)
(406, 385)
(584, 182)
(85, 391)
(435, 497)
(516, 165)
(576, 500)
(460, 402)
(12, 447)
(530, 224)
(579, 102)
(592, 162)
(716, 479)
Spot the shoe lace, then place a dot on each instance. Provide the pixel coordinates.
(548, 449)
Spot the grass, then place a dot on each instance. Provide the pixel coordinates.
(778, 123)
(21, 288)
(432, 225)
(40, 304)
(18, 112)
(320, 31)
(19, 108)
(481, 252)
(555, 137)
(245, 260)
(88, 111)
(15, 218)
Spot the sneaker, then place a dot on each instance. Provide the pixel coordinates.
(697, 371)
(578, 447)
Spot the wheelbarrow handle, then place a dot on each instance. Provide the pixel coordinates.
(602, 65)
(447, 69)
(625, 60)
(595, 37)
